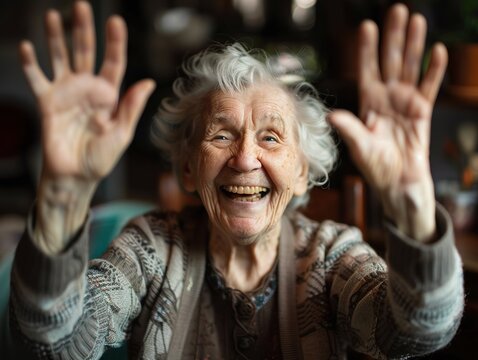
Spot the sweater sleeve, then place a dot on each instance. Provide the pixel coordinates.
(425, 292)
(46, 291)
(412, 305)
(64, 307)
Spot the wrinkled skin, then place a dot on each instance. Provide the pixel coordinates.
(248, 139)
(390, 141)
(247, 167)
(85, 126)
(85, 129)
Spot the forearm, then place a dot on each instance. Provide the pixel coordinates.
(54, 298)
(416, 301)
(425, 290)
(412, 209)
(47, 291)
(62, 207)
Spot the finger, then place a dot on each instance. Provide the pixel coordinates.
(436, 70)
(393, 42)
(56, 44)
(35, 76)
(132, 104)
(414, 49)
(114, 63)
(368, 54)
(83, 37)
(352, 131)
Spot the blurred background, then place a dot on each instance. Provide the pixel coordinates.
(321, 34)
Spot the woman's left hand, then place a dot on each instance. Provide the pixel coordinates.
(391, 143)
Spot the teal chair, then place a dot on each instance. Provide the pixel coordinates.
(5, 269)
(106, 224)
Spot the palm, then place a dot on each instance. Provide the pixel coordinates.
(390, 142)
(78, 128)
(396, 147)
(85, 129)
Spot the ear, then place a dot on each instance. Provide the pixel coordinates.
(188, 177)
(302, 180)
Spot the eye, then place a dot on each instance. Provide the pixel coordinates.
(221, 137)
(269, 138)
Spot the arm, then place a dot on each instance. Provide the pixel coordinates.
(417, 300)
(408, 307)
(85, 127)
(75, 311)
(390, 144)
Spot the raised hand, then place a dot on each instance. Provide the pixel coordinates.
(85, 127)
(390, 144)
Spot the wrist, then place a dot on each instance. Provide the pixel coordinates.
(411, 208)
(62, 206)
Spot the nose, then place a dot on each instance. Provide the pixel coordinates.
(245, 156)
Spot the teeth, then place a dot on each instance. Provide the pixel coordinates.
(248, 190)
(252, 198)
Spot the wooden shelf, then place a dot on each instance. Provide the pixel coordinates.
(467, 244)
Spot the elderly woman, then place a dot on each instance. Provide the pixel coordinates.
(245, 276)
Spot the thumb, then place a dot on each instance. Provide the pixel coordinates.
(350, 129)
(133, 102)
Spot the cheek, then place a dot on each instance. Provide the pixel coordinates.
(283, 169)
(209, 163)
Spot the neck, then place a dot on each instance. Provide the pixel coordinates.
(244, 266)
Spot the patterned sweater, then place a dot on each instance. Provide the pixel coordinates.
(334, 292)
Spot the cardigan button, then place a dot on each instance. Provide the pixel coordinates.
(245, 310)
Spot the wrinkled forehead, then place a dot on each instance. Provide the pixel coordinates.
(263, 103)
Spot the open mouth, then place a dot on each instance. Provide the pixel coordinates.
(245, 193)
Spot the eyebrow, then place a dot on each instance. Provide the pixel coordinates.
(221, 117)
(274, 118)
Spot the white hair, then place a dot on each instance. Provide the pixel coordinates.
(232, 68)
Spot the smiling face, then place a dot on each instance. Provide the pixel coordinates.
(247, 164)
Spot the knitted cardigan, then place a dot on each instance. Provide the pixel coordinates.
(334, 291)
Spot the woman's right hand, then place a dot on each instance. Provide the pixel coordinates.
(85, 127)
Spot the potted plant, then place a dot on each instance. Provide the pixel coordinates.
(457, 26)
(455, 23)
(462, 42)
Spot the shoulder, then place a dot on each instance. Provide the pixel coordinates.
(327, 250)
(328, 235)
(154, 227)
(324, 247)
(157, 234)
